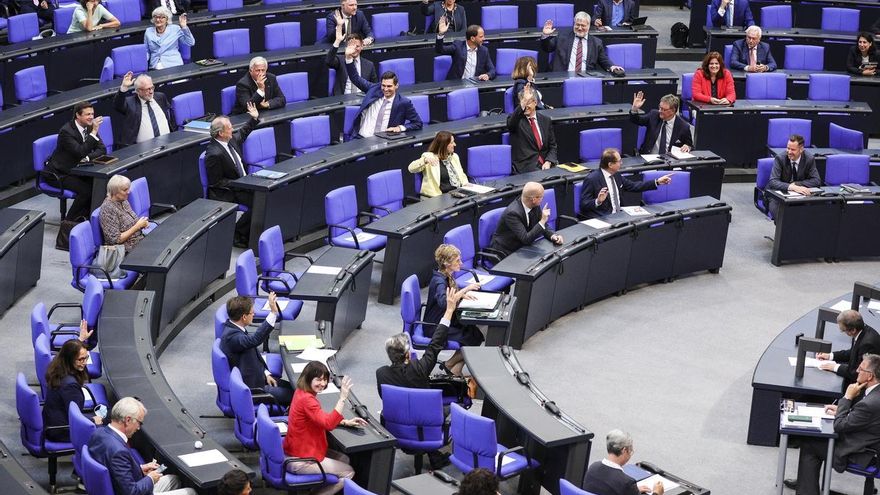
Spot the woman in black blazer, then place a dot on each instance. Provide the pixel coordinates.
(455, 15)
(524, 70)
(861, 55)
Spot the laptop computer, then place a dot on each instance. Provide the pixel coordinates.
(638, 24)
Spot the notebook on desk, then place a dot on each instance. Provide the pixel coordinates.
(390, 136)
(638, 24)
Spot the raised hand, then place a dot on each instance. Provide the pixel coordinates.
(345, 389)
(252, 110)
(127, 81)
(84, 332)
(548, 28)
(442, 26)
(603, 194)
(638, 100)
(350, 51)
(545, 213)
(182, 20)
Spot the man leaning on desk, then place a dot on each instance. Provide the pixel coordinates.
(865, 340)
(794, 171)
(601, 192)
(524, 221)
(857, 424)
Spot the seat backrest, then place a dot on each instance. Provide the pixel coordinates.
(203, 175)
(139, 197)
(129, 58)
(127, 11)
(243, 409)
(220, 318)
(227, 100)
(779, 130)
(562, 14)
(728, 51)
(805, 57)
(550, 201)
(81, 429)
(105, 132)
(271, 250)
(220, 371)
(352, 488)
(594, 141)
(413, 416)
(766, 86)
(30, 84)
(308, 134)
(106, 69)
(271, 453)
(258, 150)
(842, 138)
(96, 477)
(215, 5)
(838, 19)
(499, 17)
(246, 274)
(42, 149)
(488, 162)
(188, 106)
(567, 488)
(341, 208)
(320, 29)
(847, 169)
(282, 35)
(422, 106)
(687, 93)
(508, 100)
(505, 58)
(82, 252)
(831, 87)
(405, 68)
(462, 104)
(95, 224)
(351, 112)
(295, 86)
(389, 25)
(462, 237)
(578, 190)
(23, 27)
(626, 55)
(42, 358)
(385, 190)
(410, 303)
(579, 91)
(61, 19)
(185, 51)
(486, 226)
(442, 63)
(231, 42)
(93, 301)
(39, 322)
(765, 166)
(679, 188)
(473, 440)
(27, 404)
(776, 17)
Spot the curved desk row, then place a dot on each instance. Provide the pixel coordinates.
(416, 230)
(13, 477)
(675, 238)
(130, 365)
(738, 132)
(21, 253)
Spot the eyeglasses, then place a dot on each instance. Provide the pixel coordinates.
(159, 17)
(140, 423)
(862, 370)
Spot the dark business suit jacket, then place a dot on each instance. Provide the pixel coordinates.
(604, 9)
(220, 166)
(337, 61)
(246, 90)
(72, 148)
(108, 449)
(417, 373)
(868, 342)
(854, 59)
(242, 351)
(435, 9)
(512, 232)
(742, 14)
(129, 105)
(458, 50)
(518, 85)
(595, 181)
(182, 5)
(739, 55)
(681, 131)
(523, 146)
(402, 109)
(858, 427)
(358, 24)
(807, 173)
(560, 47)
(609, 481)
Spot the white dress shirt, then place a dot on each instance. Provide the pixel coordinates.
(572, 60)
(230, 151)
(145, 131)
(613, 191)
(368, 121)
(470, 65)
(350, 88)
(667, 128)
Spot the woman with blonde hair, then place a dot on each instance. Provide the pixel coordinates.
(440, 167)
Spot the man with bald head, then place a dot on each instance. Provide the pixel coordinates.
(524, 221)
(864, 340)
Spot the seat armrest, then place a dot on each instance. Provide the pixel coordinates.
(271, 279)
(289, 255)
(92, 267)
(510, 451)
(162, 207)
(357, 244)
(66, 305)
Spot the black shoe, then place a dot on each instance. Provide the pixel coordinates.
(438, 460)
(240, 243)
(792, 484)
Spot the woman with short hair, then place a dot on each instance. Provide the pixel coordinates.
(163, 38)
(119, 223)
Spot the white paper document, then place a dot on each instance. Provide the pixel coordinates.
(635, 211)
(331, 389)
(842, 305)
(651, 158)
(596, 223)
(315, 354)
(871, 305)
(197, 459)
(817, 411)
(481, 300)
(282, 427)
(324, 270)
(504, 460)
(477, 189)
(676, 153)
(485, 278)
(808, 362)
(89, 360)
(282, 303)
(651, 480)
(297, 367)
(361, 237)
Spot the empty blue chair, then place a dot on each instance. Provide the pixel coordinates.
(216, 5)
(352, 488)
(442, 63)
(776, 17)
(95, 476)
(488, 162)
(567, 488)
(462, 237)
(832, 87)
(679, 188)
(130, 58)
(127, 11)
(687, 93)
(258, 150)
(227, 100)
(806, 57)
(232, 42)
(389, 25)
(842, 138)
(295, 86)
(188, 106)
(411, 314)
(61, 19)
(778, 131)
(499, 17)
(83, 251)
(247, 284)
(562, 14)
(341, 215)
(505, 58)
(308, 134)
(415, 418)
(462, 104)
(405, 68)
(30, 84)
(847, 169)
(626, 55)
(422, 106)
(765, 166)
(579, 91)
(475, 445)
(486, 226)
(33, 439)
(766, 86)
(142, 205)
(106, 69)
(385, 192)
(594, 141)
(728, 51)
(272, 260)
(282, 35)
(23, 27)
(837, 19)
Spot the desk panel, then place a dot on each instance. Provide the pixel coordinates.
(21, 253)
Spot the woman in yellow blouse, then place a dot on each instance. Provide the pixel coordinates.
(440, 167)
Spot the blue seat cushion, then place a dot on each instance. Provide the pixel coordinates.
(374, 244)
(278, 287)
(517, 464)
(56, 192)
(99, 393)
(274, 363)
(497, 284)
(118, 283)
(56, 446)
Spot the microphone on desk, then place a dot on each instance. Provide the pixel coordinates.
(552, 407)
(201, 431)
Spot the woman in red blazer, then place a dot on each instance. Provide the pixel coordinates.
(308, 424)
(712, 82)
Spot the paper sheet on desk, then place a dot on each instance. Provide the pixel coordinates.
(324, 270)
(667, 484)
(504, 461)
(842, 305)
(482, 300)
(282, 303)
(817, 411)
(871, 305)
(297, 367)
(635, 211)
(477, 189)
(676, 153)
(361, 237)
(196, 459)
(485, 278)
(808, 362)
(652, 158)
(596, 223)
(315, 354)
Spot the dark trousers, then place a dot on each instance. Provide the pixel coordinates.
(245, 198)
(83, 200)
(283, 393)
(813, 451)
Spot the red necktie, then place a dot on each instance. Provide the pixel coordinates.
(579, 54)
(537, 139)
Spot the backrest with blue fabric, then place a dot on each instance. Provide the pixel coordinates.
(594, 141)
(805, 57)
(499, 17)
(220, 372)
(488, 162)
(389, 24)
(578, 91)
(294, 85)
(829, 87)
(779, 130)
(385, 192)
(776, 17)
(847, 169)
(462, 104)
(308, 134)
(413, 416)
(282, 35)
(842, 138)
(231, 42)
(405, 68)
(679, 188)
(766, 86)
(258, 150)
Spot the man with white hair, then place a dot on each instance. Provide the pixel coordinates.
(108, 446)
(147, 112)
(573, 50)
(606, 477)
(751, 54)
(259, 87)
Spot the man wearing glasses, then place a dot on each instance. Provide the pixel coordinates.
(147, 113)
(864, 340)
(857, 424)
(109, 448)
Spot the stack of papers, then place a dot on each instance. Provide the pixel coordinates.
(315, 354)
(667, 483)
(808, 362)
(361, 237)
(635, 211)
(842, 305)
(652, 158)
(596, 223)
(300, 342)
(481, 300)
(485, 278)
(197, 459)
(477, 189)
(324, 270)
(282, 303)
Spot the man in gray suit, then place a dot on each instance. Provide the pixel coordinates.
(857, 424)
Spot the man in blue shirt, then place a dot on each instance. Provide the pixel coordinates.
(613, 13)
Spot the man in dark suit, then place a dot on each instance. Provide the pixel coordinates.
(343, 85)
(259, 87)
(175, 6)
(613, 13)
(224, 164)
(43, 8)
(676, 132)
(865, 340)
(242, 348)
(795, 171)
(455, 16)
(78, 143)
(751, 54)
(470, 59)
(857, 424)
(587, 54)
(606, 477)
(532, 140)
(353, 21)
(600, 195)
(147, 113)
(108, 446)
(523, 221)
(731, 13)
(382, 109)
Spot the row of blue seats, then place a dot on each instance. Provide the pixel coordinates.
(780, 17)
